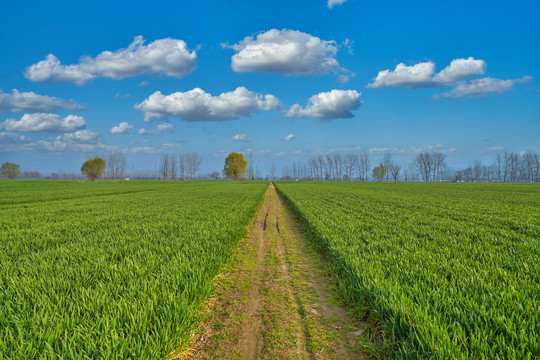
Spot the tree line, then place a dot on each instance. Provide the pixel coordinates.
(183, 166)
(342, 167)
(507, 167)
(426, 166)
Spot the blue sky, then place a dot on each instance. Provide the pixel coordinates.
(218, 76)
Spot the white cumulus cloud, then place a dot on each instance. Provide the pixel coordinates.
(45, 122)
(197, 105)
(482, 87)
(411, 76)
(59, 146)
(334, 104)
(121, 128)
(460, 74)
(289, 137)
(241, 137)
(30, 101)
(332, 3)
(423, 74)
(86, 136)
(460, 69)
(161, 128)
(11, 138)
(168, 56)
(286, 52)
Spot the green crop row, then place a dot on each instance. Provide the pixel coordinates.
(112, 270)
(450, 271)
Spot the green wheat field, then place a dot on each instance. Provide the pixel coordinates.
(119, 270)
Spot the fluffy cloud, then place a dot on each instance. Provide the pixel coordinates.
(197, 105)
(482, 87)
(87, 136)
(423, 74)
(161, 128)
(455, 74)
(289, 137)
(30, 101)
(78, 141)
(169, 56)
(335, 104)
(60, 145)
(332, 3)
(460, 69)
(286, 52)
(241, 137)
(45, 122)
(412, 76)
(11, 138)
(121, 128)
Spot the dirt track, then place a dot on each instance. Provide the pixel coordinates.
(274, 300)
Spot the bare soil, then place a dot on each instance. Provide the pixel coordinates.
(274, 299)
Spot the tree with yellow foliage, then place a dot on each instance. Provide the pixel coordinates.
(235, 166)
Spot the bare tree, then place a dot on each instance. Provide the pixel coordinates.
(413, 171)
(364, 165)
(424, 164)
(498, 167)
(193, 163)
(349, 164)
(514, 167)
(477, 170)
(387, 163)
(182, 166)
(293, 171)
(164, 166)
(394, 170)
(173, 167)
(468, 174)
(338, 166)
(529, 165)
(438, 165)
(322, 168)
(330, 167)
(285, 173)
(116, 165)
(537, 167)
(249, 158)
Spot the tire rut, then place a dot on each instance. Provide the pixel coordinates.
(274, 300)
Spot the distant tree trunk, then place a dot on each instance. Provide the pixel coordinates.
(330, 167)
(387, 162)
(249, 159)
(164, 167)
(116, 165)
(424, 163)
(173, 167)
(394, 170)
(364, 165)
(338, 166)
(182, 165)
(350, 163)
(193, 162)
